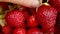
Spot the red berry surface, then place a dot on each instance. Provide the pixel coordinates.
(15, 18)
(31, 21)
(46, 16)
(25, 13)
(19, 31)
(34, 31)
(6, 29)
(55, 3)
(50, 30)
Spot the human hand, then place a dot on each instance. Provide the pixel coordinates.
(27, 3)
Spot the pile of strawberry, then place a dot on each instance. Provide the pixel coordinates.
(16, 19)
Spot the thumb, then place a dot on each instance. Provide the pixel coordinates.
(27, 3)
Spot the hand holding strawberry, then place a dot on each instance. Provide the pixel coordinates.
(24, 20)
(46, 16)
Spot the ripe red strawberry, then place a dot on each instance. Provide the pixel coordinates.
(6, 29)
(31, 21)
(55, 3)
(34, 31)
(50, 30)
(25, 13)
(15, 18)
(24, 26)
(32, 10)
(19, 31)
(46, 16)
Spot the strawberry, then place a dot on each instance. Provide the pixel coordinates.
(15, 18)
(25, 13)
(50, 30)
(55, 4)
(19, 31)
(46, 16)
(6, 29)
(24, 26)
(31, 21)
(34, 31)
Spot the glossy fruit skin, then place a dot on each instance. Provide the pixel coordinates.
(31, 21)
(6, 29)
(55, 3)
(19, 31)
(34, 31)
(15, 18)
(46, 16)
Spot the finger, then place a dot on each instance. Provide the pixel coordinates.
(27, 3)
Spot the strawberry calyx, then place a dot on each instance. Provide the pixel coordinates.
(47, 0)
(2, 20)
(2, 15)
(46, 4)
(41, 3)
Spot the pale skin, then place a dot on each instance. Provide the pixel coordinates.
(27, 3)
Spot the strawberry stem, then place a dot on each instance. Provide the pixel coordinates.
(40, 3)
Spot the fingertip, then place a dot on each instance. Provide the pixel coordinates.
(34, 4)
